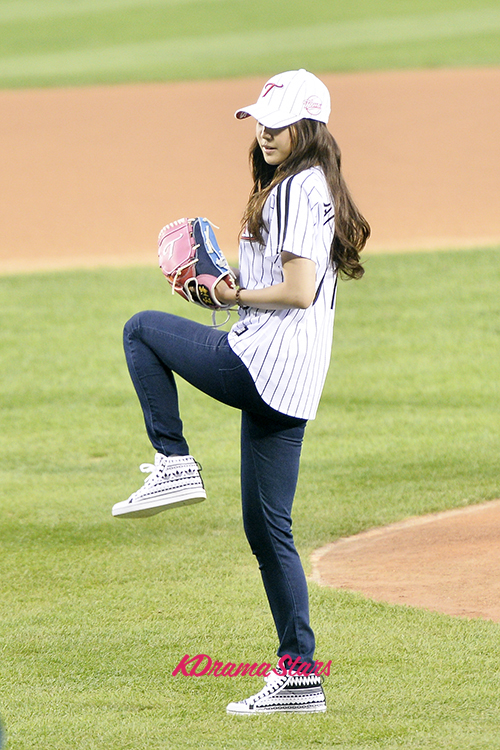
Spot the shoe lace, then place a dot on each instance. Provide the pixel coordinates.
(272, 677)
(269, 687)
(153, 470)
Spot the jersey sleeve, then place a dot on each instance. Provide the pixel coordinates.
(297, 217)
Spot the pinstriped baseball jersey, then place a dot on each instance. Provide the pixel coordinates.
(288, 351)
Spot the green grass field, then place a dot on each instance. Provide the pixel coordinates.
(96, 612)
(73, 42)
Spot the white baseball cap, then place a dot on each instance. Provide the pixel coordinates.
(289, 97)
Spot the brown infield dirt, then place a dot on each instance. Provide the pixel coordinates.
(90, 175)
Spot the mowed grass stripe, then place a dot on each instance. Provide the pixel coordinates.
(197, 55)
(293, 10)
(31, 10)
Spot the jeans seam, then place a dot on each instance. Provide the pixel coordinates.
(177, 337)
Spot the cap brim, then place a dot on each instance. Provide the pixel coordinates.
(269, 119)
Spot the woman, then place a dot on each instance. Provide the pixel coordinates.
(301, 230)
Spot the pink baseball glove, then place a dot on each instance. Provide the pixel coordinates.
(193, 262)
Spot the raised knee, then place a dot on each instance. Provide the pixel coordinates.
(135, 323)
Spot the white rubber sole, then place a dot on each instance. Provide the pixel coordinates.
(259, 711)
(146, 508)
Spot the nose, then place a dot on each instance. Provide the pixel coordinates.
(263, 132)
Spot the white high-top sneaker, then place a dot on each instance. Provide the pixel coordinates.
(282, 693)
(172, 481)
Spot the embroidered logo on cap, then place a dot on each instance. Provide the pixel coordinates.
(313, 105)
(270, 87)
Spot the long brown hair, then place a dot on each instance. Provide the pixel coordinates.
(312, 146)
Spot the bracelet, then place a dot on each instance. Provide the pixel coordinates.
(238, 301)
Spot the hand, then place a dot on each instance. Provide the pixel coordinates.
(225, 293)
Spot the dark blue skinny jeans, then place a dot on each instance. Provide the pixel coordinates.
(157, 345)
